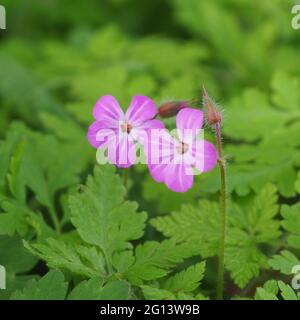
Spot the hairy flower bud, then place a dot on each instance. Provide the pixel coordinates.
(212, 112)
(171, 108)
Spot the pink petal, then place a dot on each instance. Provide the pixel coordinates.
(140, 110)
(144, 131)
(152, 124)
(157, 171)
(205, 155)
(98, 135)
(177, 179)
(159, 148)
(107, 109)
(121, 152)
(191, 119)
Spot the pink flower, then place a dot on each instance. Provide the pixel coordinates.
(174, 160)
(119, 132)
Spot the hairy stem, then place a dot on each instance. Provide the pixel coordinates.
(223, 208)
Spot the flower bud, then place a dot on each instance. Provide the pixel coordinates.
(212, 112)
(171, 108)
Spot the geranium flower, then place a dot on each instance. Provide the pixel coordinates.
(118, 131)
(173, 160)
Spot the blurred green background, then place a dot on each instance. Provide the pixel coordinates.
(57, 57)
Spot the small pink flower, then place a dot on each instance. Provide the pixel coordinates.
(119, 132)
(173, 160)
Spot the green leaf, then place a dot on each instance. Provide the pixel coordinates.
(199, 226)
(50, 287)
(187, 280)
(250, 114)
(17, 218)
(248, 228)
(268, 292)
(152, 293)
(79, 259)
(153, 260)
(251, 227)
(291, 223)
(286, 91)
(258, 218)
(262, 294)
(13, 255)
(17, 261)
(93, 290)
(287, 292)
(242, 258)
(42, 164)
(271, 290)
(101, 215)
(284, 262)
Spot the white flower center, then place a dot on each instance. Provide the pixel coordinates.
(182, 148)
(126, 127)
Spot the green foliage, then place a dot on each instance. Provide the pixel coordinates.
(291, 223)
(92, 290)
(108, 222)
(187, 280)
(38, 163)
(198, 226)
(276, 290)
(81, 260)
(57, 60)
(151, 293)
(50, 287)
(284, 262)
(153, 260)
(53, 287)
(180, 286)
(106, 225)
(246, 231)
(17, 262)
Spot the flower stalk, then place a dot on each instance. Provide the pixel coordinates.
(125, 178)
(214, 119)
(223, 210)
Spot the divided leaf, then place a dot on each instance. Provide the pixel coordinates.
(153, 260)
(101, 215)
(284, 262)
(187, 280)
(198, 226)
(291, 223)
(276, 290)
(93, 290)
(50, 287)
(79, 259)
(247, 228)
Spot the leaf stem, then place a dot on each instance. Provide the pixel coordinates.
(108, 262)
(55, 220)
(223, 210)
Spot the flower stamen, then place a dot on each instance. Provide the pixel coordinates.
(182, 148)
(126, 127)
